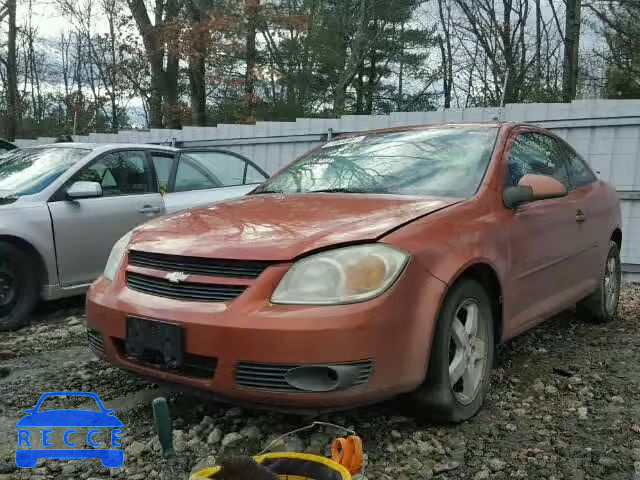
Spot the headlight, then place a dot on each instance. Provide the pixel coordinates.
(117, 252)
(344, 275)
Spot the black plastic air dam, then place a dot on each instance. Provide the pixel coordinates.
(309, 378)
(320, 378)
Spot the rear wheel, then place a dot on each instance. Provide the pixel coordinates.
(601, 306)
(19, 286)
(461, 357)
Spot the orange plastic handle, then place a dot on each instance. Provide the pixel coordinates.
(348, 453)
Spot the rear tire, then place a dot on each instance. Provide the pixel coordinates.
(19, 286)
(461, 357)
(601, 306)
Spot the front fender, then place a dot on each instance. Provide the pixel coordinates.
(30, 225)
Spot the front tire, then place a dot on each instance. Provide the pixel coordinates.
(461, 357)
(602, 305)
(19, 286)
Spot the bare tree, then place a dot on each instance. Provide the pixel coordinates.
(161, 46)
(351, 54)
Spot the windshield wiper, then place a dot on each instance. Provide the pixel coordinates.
(7, 199)
(345, 190)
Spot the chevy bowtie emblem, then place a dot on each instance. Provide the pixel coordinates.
(176, 277)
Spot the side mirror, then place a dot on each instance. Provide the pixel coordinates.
(532, 188)
(79, 190)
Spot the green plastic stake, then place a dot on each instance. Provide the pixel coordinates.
(164, 428)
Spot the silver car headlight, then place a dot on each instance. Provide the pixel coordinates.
(115, 258)
(345, 275)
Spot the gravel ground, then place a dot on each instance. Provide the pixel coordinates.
(564, 404)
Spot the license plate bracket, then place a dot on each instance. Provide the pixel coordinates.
(154, 341)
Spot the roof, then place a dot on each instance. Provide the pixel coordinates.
(405, 128)
(104, 146)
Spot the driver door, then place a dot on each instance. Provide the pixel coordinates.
(85, 230)
(543, 236)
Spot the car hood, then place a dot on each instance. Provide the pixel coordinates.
(281, 227)
(69, 418)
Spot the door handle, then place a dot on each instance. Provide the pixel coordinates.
(580, 216)
(150, 209)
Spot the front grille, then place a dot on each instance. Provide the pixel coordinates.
(95, 342)
(197, 265)
(197, 366)
(267, 376)
(199, 292)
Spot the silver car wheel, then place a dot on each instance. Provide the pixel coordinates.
(611, 285)
(8, 284)
(467, 351)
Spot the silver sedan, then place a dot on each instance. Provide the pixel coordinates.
(63, 206)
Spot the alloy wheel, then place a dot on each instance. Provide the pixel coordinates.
(611, 284)
(467, 351)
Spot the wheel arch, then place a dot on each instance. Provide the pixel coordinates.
(33, 252)
(486, 274)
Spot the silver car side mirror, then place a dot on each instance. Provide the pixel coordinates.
(79, 190)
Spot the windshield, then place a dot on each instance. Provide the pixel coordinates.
(445, 162)
(29, 171)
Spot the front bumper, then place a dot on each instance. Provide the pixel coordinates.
(392, 333)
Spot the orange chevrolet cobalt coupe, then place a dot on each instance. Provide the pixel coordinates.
(384, 263)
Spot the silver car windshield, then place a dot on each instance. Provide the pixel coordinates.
(29, 171)
(439, 161)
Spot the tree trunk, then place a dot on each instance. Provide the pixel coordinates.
(538, 51)
(359, 89)
(508, 94)
(170, 90)
(401, 69)
(155, 94)
(446, 52)
(571, 49)
(251, 12)
(196, 69)
(114, 60)
(198, 92)
(371, 82)
(172, 110)
(13, 117)
(446, 88)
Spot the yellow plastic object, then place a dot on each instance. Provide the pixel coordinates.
(291, 466)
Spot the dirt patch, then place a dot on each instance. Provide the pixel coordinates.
(564, 404)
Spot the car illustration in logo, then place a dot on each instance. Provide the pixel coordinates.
(36, 432)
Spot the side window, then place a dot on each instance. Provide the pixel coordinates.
(191, 176)
(535, 153)
(119, 173)
(579, 172)
(227, 169)
(253, 175)
(162, 163)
